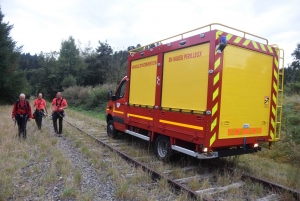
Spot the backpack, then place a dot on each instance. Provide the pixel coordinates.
(26, 105)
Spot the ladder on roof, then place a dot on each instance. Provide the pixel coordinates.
(278, 118)
(209, 26)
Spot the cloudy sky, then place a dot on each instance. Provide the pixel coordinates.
(41, 25)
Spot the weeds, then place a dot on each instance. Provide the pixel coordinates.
(77, 178)
(122, 190)
(22, 159)
(68, 192)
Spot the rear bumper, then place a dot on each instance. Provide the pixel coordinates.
(240, 151)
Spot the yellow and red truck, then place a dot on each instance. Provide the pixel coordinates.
(209, 95)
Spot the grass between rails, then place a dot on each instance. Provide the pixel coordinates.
(264, 164)
(136, 184)
(280, 164)
(130, 183)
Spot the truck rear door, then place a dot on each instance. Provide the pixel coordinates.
(246, 92)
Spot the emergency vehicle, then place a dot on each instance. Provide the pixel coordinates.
(213, 94)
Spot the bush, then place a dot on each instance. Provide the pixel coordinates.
(294, 120)
(88, 98)
(68, 81)
(292, 88)
(288, 148)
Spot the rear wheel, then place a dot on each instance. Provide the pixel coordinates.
(162, 147)
(111, 131)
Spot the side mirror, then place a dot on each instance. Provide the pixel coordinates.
(109, 95)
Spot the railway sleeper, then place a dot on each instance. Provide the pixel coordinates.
(185, 169)
(187, 179)
(220, 189)
(272, 197)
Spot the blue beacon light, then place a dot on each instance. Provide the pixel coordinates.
(221, 46)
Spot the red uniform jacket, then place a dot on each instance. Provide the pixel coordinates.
(22, 109)
(40, 104)
(58, 103)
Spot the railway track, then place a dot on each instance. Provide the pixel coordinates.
(216, 188)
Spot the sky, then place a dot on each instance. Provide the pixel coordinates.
(41, 25)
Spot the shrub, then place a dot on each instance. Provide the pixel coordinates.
(88, 98)
(68, 81)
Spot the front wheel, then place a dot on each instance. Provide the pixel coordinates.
(111, 131)
(162, 147)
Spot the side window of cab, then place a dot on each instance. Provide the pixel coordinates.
(121, 90)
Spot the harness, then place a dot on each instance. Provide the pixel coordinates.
(22, 107)
(62, 113)
(58, 105)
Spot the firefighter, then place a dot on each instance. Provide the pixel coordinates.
(39, 105)
(21, 113)
(58, 106)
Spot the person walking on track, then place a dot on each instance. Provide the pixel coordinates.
(21, 113)
(40, 107)
(58, 106)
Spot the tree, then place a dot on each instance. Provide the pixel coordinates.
(49, 81)
(292, 73)
(29, 65)
(296, 63)
(70, 62)
(12, 81)
(99, 65)
(68, 81)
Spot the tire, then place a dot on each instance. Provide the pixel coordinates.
(162, 148)
(111, 131)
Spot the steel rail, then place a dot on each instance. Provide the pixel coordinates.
(154, 174)
(266, 183)
(177, 186)
(272, 185)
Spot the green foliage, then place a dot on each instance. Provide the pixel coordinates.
(291, 119)
(12, 81)
(70, 62)
(51, 72)
(294, 120)
(88, 98)
(292, 88)
(99, 65)
(292, 74)
(68, 81)
(48, 80)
